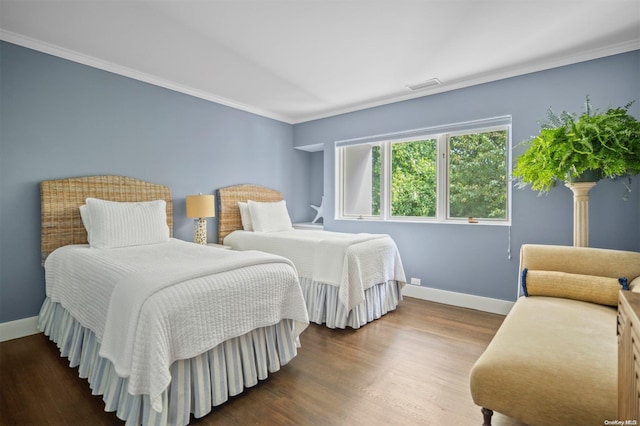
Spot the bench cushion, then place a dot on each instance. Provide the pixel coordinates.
(588, 288)
(553, 361)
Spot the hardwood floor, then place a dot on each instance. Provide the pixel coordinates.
(410, 367)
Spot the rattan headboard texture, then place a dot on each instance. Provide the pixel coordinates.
(228, 210)
(60, 199)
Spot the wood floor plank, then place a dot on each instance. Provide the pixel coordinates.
(411, 367)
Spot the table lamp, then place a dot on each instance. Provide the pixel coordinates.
(200, 207)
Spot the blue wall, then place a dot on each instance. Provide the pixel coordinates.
(62, 119)
(316, 183)
(59, 119)
(473, 259)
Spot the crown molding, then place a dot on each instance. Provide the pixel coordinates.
(494, 75)
(445, 86)
(93, 62)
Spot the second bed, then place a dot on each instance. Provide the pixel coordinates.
(347, 279)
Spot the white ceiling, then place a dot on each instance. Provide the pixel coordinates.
(298, 60)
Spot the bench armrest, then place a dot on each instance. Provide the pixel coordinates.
(581, 260)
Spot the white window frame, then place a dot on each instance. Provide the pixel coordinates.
(442, 134)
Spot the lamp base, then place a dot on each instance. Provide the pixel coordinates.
(200, 235)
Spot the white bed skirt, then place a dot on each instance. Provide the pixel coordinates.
(197, 384)
(324, 307)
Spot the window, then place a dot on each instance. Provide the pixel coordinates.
(477, 170)
(444, 174)
(362, 178)
(414, 178)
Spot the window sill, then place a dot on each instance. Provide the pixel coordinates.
(464, 222)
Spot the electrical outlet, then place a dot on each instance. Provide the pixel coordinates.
(415, 281)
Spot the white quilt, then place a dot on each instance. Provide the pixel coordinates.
(151, 305)
(353, 262)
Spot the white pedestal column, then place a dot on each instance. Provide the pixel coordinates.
(580, 212)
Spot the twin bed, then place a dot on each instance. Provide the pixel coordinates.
(189, 325)
(165, 330)
(348, 280)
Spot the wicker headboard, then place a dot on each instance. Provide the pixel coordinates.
(61, 224)
(228, 210)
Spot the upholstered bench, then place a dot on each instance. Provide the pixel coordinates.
(554, 359)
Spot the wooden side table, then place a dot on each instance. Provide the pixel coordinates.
(629, 357)
(309, 226)
(222, 246)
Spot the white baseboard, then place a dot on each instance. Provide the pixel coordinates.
(480, 303)
(28, 326)
(18, 328)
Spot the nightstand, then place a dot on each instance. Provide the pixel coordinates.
(222, 246)
(309, 226)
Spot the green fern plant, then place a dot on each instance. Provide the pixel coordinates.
(606, 144)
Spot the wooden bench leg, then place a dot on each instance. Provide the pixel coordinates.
(486, 415)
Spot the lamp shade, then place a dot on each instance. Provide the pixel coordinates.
(200, 206)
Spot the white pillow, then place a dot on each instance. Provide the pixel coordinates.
(245, 216)
(270, 217)
(122, 224)
(86, 219)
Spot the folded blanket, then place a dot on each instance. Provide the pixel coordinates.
(329, 265)
(352, 262)
(373, 261)
(133, 290)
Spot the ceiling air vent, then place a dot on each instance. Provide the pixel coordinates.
(424, 84)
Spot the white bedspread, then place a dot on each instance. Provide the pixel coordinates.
(152, 305)
(353, 262)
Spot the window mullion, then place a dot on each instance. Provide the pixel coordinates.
(341, 182)
(442, 178)
(385, 185)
